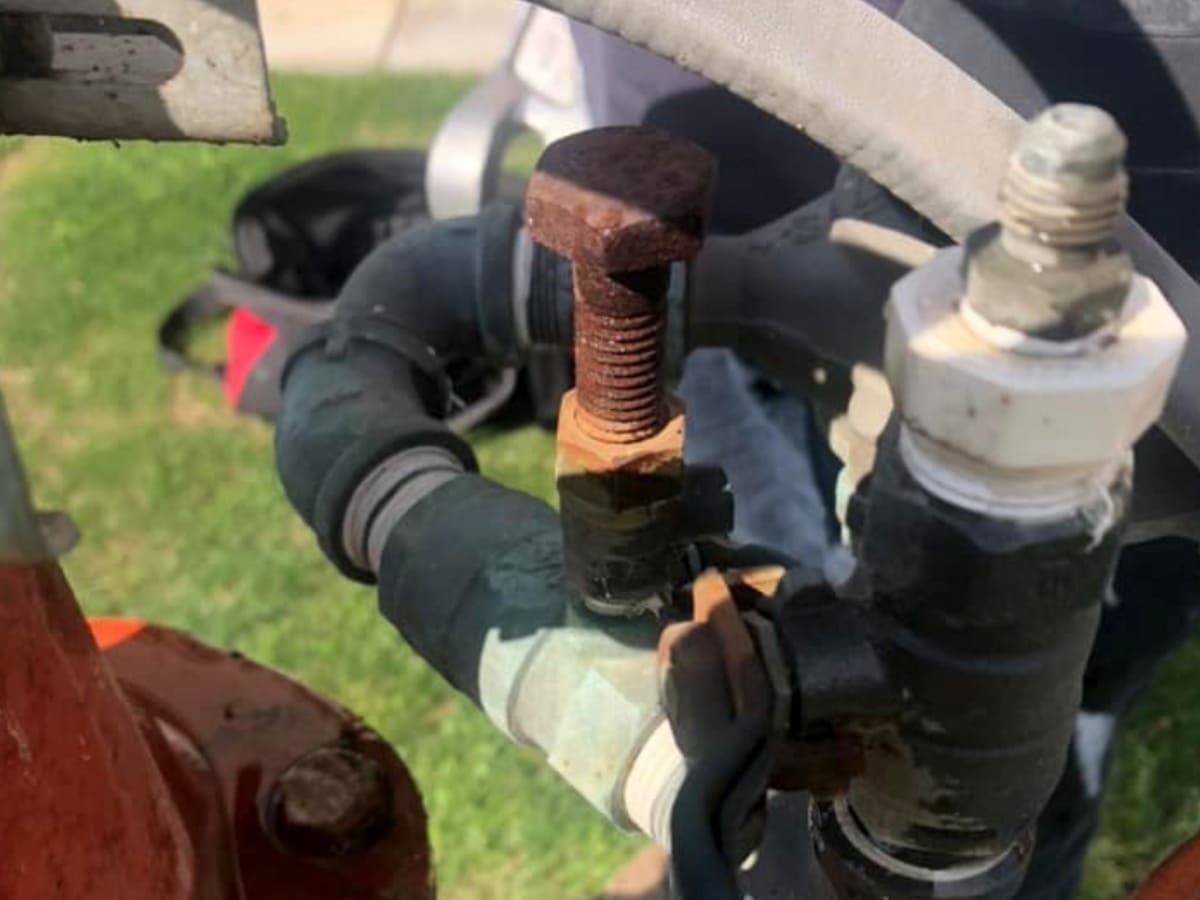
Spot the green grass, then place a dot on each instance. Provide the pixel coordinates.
(184, 522)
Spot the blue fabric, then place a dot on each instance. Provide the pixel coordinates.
(761, 439)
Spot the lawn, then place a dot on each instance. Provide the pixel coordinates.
(184, 522)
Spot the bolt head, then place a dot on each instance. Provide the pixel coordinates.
(621, 199)
(333, 801)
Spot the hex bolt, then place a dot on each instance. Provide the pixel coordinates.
(333, 801)
(1053, 268)
(622, 204)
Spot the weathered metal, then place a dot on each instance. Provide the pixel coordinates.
(231, 737)
(1052, 268)
(86, 811)
(141, 764)
(155, 69)
(622, 204)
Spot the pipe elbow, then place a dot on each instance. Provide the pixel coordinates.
(448, 283)
(371, 384)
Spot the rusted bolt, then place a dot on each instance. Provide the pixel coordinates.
(622, 204)
(332, 801)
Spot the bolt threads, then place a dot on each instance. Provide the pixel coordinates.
(1042, 211)
(619, 333)
(1066, 185)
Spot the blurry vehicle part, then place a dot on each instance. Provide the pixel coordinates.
(165, 70)
(538, 86)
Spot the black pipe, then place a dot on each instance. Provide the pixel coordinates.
(472, 557)
(984, 627)
(371, 382)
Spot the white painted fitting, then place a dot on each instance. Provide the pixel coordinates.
(586, 695)
(1028, 496)
(654, 780)
(1005, 431)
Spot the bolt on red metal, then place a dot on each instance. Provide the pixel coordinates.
(622, 204)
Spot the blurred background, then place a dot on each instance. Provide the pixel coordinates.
(176, 496)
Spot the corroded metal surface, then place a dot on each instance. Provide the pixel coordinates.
(619, 329)
(239, 740)
(620, 199)
(622, 204)
(85, 811)
(139, 763)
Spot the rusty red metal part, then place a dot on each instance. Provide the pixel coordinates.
(622, 204)
(621, 199)
(1176, 879)
(86, 812)
(148, 770)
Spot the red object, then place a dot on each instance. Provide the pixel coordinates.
(247, 338)
(86, 812)
(146, 771)
(1176, 879)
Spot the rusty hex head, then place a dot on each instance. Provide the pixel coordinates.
(333, 801)
(621, 199)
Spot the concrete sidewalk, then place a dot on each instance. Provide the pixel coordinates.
(360, 35)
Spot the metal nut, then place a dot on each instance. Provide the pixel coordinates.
(1055, 301)
(332, 801)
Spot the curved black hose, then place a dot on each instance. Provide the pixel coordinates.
(370, 383)
(701, 850)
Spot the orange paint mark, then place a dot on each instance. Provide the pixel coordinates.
(109, 632)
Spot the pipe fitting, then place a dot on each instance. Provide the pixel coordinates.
(1025, 369)
(472, 576)
(622, 512)
(1007, 434)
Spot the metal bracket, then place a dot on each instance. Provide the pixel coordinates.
(538, 86)
(156, 69)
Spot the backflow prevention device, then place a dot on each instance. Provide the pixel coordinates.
(925, 704)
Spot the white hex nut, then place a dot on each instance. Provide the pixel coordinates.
(1020, 412)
